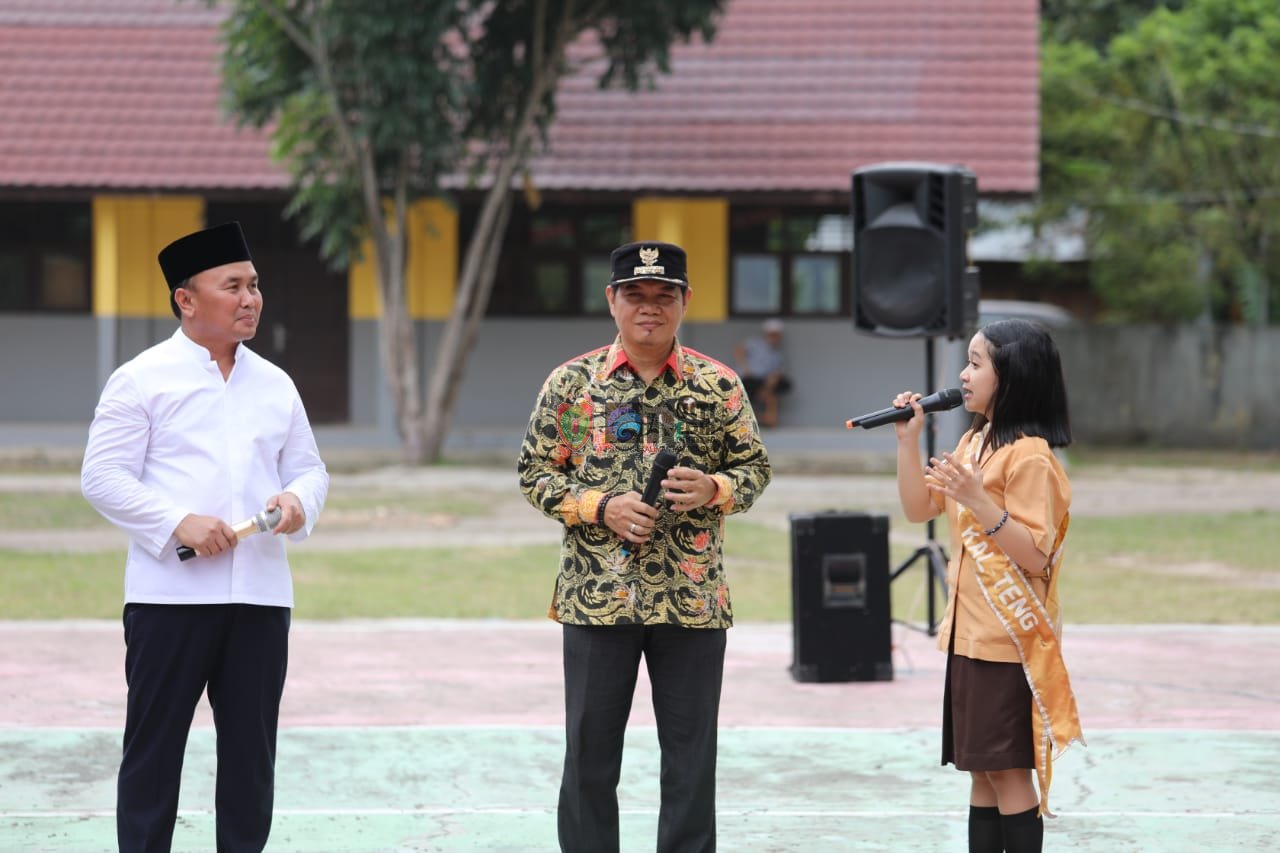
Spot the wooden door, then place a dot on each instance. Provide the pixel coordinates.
(305, 328)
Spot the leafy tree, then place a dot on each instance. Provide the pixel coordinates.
(1168, 135)
(1095, 22)
(375, 102)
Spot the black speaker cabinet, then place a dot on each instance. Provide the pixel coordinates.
(840, 597)
(911, 274)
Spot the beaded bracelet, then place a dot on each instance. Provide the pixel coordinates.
(999, 524)
(600, 508)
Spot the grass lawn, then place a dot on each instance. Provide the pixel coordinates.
(1157, 457)
(47, 511)
(1219, 569)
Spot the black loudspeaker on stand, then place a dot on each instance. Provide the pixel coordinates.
(931, 551)
(840, 597)
(911, 274)
(912, 278)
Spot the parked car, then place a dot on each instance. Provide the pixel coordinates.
(1053, 316)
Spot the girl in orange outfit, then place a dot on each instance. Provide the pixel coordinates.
(1008, 707)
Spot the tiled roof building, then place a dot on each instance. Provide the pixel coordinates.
(787, 97)
(113, 142)
(119, 94)
(792, 96)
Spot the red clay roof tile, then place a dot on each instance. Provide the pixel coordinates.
(123, 94)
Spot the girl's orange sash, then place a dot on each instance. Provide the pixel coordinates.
(1055, 721)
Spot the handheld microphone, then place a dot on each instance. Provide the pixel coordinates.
(939, 402)
(260, 523)
(662, 463)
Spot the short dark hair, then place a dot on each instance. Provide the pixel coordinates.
(1031, 394)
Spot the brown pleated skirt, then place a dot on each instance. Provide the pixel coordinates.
(986, 716)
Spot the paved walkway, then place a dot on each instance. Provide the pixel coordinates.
(445, 735)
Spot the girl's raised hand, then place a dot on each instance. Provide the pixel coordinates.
(957, 480)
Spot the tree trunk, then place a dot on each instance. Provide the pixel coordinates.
(1264, 282)
(462, 329)
(398, 339)
(476, 279)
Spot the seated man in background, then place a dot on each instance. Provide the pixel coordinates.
(763, 370)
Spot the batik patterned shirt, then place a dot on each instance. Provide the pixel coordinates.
(595, 431)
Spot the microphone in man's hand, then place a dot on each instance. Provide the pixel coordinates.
(939, 402)
(662, 463)
(260, 523)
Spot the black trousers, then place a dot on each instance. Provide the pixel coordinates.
(601, 664)
(239, 653)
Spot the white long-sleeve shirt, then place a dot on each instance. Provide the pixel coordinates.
(170, 437)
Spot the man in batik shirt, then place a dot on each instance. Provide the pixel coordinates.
(639, 580)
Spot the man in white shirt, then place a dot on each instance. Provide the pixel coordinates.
(193, 433)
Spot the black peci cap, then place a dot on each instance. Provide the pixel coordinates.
(203, 250)
(200, 251)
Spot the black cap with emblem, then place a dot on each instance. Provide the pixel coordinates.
(649, 260)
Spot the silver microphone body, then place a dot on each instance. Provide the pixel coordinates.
(259, 523)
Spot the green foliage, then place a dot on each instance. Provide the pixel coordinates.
(361, 91)
(1094, 22)
(1075, 126)
(634, 35)
(1251, 293)
(418, 87)
(1166, 130)
(1158, 285)
(377, 101)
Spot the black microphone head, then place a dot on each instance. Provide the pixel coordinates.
(943, 400)
(662, 463)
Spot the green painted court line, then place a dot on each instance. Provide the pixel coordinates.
(494, 788)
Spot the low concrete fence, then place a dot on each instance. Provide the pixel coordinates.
(1173, 386)
(1170, 386)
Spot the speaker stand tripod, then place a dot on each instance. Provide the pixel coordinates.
(931, 551)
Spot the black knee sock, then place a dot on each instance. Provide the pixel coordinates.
(985, 834)
(1023, 832)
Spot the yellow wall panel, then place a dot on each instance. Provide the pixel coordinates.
(431, 269)
(433, 259)
(106, 260)
(362, 286)
(701, 227)
(128, 233)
